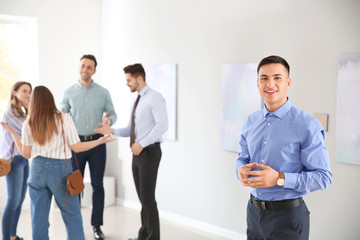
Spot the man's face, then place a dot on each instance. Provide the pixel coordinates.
(86, 69)
(132, 82)
(273, 82)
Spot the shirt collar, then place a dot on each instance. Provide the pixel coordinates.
(281, 112)
(82, 87)
(144, 90)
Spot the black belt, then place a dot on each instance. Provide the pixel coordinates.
(157, 144)
(90, 137)
(276, 205)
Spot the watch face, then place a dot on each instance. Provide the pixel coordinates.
(280, 182)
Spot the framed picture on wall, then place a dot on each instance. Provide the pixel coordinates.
(163, 78)
(347, 111)
(239, 98)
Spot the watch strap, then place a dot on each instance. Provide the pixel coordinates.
(281, 180)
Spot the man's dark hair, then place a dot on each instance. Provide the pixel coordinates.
(274, 59)
(91, 57)
(135, 70)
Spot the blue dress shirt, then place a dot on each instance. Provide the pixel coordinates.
(87, 106)
(151, 120)
(290, 141)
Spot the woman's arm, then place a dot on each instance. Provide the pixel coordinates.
(84, 146)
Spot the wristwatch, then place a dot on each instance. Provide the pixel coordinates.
(281, 180)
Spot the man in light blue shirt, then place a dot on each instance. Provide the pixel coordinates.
(89, 104)
(147, 124)
(283, 157)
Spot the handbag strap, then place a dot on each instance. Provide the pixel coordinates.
(67, 170)
(63, 136)
(12, 151)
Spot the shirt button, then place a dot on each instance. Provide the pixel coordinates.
(265, 142)
(262, 160)
(259, 193)
(268, 124)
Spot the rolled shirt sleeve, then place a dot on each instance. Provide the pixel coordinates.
(109, 107)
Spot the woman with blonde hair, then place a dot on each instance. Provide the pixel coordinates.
(42, 140)
(16, 180)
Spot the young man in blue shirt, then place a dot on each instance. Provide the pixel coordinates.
(282, 158)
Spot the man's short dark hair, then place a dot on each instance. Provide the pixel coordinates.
(274, 59)
(91, 57)
(135, 70)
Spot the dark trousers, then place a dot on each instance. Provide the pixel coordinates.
(145, 169)
(96, 158)
(291, 224)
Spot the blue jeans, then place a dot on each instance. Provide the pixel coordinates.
(47, 178)
(16, 188)
(96, 157)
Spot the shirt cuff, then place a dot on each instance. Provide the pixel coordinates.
(144, 143)
(290, 180)
(112, 120)
(117, 131)
(238, 165)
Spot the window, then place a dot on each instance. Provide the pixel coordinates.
(18, 54)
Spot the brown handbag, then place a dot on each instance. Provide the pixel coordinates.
(74, 182)
(5, 165)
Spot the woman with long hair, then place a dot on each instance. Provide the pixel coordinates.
(14, 116)
(42, 140)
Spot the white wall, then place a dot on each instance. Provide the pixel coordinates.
(66, 30)
(196, 178)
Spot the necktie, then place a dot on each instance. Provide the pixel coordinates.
(132, 133)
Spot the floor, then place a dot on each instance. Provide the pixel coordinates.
(120, 223)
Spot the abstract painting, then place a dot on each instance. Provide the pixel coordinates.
(347, 111)
(163, 78)
(240, 97)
